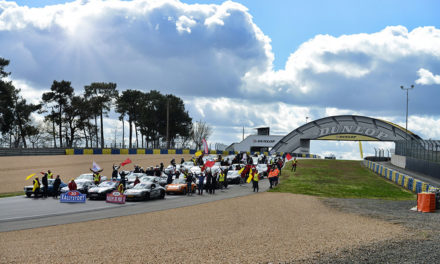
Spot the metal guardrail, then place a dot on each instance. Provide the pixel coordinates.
(31, 151)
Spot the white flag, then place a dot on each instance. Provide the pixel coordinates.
(96, 167)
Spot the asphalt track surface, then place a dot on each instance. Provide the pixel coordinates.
(20, 212)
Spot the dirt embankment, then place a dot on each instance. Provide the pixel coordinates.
(15, 169)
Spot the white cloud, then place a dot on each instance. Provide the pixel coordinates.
(427, 78)
(165, 45)
(27, 90)
(359, 71)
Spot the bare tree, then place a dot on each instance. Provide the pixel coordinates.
(200, 130)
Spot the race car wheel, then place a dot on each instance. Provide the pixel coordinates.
(162, 195)
(194, 190)
(147, 197)
(28, 194)
(184, 192)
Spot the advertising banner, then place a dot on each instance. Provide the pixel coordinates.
(72, 197)
(115, 197)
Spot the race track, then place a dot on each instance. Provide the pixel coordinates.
(22, 213)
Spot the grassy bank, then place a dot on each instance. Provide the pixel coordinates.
(339, 179)
(10, 194)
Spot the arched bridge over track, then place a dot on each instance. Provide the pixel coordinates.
(341, 128)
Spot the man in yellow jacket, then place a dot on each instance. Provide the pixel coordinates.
(255, 179)
(36, 188)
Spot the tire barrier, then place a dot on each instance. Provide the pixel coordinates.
(406, 181)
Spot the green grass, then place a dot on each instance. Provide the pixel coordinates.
(3, 195)
(339, 179)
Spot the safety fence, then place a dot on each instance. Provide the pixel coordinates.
(428, 150)
(422, 156)
(406, 181)
(137, 151)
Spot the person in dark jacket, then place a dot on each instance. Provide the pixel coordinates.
(115, 172)
(123, 174)
(213, 184)
(189, 181)
(56, 186)
(157, 172)
(161, 166)
(45, 185)
(201, 183)
(182, 161)
(209, 177)
(169, 177)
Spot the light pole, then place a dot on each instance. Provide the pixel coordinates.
(406, 89)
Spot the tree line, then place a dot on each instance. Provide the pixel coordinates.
(155, 120)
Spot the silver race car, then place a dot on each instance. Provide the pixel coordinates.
(145, 191)
(100, 191)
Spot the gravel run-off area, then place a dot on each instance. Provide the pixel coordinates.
(260, 228)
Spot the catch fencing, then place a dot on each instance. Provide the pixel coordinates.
(421, 155)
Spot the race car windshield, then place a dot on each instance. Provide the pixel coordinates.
(179, 181)
(85, 177)
(142, 186)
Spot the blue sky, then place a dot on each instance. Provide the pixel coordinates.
(261, 63)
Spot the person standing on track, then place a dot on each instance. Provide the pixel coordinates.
(276, 176)
(123, 174)
(208, 179)
(213, 183)
(221, 179)
(36, 188)
(96, 178)
(115, 172)
(72, 185)
(45, 185)
(271, 177)
(56, 187)
(136, 181)
(189, 181)
(255, 179)
(201, 183)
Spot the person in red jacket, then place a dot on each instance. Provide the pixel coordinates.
(136, 181)
(72, 185)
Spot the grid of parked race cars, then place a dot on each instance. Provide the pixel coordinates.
(154, 183)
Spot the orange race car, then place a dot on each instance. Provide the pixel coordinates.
(179, 186)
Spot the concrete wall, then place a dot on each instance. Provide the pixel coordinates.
(399, 161)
